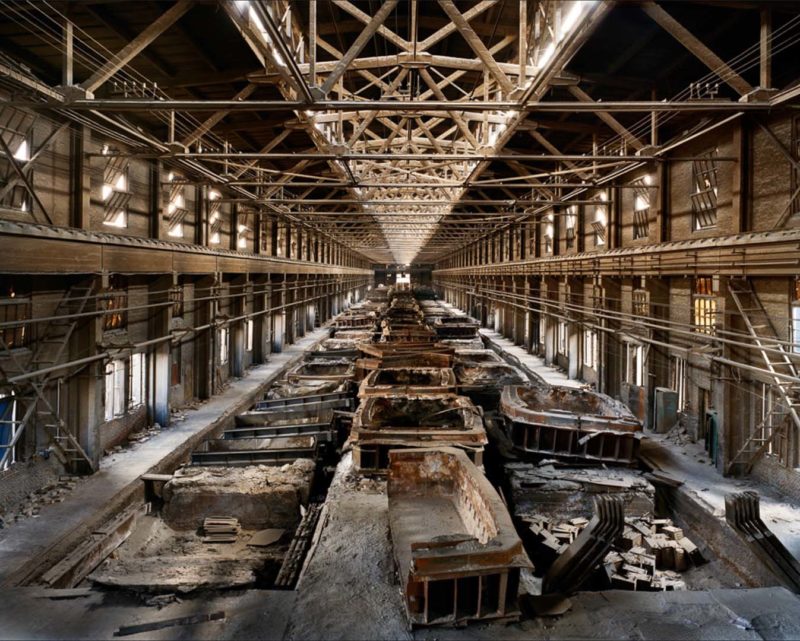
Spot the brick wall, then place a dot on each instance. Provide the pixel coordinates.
(770, 471)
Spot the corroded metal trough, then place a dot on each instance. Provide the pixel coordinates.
(456, 549)
(277, 450)
(408, 380)
(323, 370)
(408, 354)
(384, 423)
(570, 423)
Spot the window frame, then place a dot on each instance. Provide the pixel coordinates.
(705, 194)
(223, 336)
(704, 305)
(115, 394)
(137, 380)
(20, 334)
(115, 298)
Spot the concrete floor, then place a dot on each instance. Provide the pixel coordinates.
(529, 362)
(689, 464)
(349, 589)
(119, 472)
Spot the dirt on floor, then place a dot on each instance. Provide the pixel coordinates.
(349, 589)
(156, 558)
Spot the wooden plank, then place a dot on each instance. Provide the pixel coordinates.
(127, 630)
(135, 260)
(50, 256)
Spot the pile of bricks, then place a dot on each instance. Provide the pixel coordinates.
(650, 554)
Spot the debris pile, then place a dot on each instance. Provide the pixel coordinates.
(48, 495)
(650, 554)
(220, 529)
(562, 492)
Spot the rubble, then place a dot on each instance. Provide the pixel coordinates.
(258, 496)
(34, 502)
(649, 554)
(568, 492)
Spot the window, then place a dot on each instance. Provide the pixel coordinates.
(176, 207)
(548, 233)
(641, 304)
(214, 217)
(241, 237)
(531, 233)
(600, 219)
(248, 332)
(114, 193)
(704, 197)
(796, 318)
(16, 127)
(14, 308)
(280, 240)
(8, 427)
(115, 303)
(635, 370)
(115, 389)
(222, 337)
(137, 382)
(563, 337)
(678, 380)
(590, 348)
(266, 234)
(641, 207)
(177, 298)
(542, 329)
(570, 223)
(704, 304)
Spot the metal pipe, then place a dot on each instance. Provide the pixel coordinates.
(161, 339)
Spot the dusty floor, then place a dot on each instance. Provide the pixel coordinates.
(349, 589)
(351, 570)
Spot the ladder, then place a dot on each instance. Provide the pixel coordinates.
(778, 363)
(49, 350)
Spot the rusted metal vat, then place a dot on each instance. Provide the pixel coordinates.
(323, 370)
(353, 334)
(414, 420)
(408, 380)
(477, 356)
(405, 359)
(456, 549)
(276, 450)
(570, 423)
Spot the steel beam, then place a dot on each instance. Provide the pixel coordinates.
(360, 42)
(711, 60)
(393, 106)
(137, 45)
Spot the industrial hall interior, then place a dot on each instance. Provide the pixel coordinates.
(399, 319)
